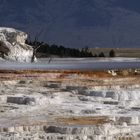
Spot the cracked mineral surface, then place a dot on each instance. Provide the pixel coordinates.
(69, 105)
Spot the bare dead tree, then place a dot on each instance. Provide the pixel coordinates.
(34, 53)
(36, 46)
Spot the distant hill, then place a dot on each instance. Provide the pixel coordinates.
(76, 23)
(119, 52)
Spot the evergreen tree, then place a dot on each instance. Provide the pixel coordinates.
(112, 53)
(45, 49)
(101, 54)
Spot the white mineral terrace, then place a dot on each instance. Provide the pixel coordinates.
(66, 110)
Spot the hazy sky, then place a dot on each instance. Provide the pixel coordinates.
(76, 23)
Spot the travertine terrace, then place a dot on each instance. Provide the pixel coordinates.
(13, 46)
(69, 105)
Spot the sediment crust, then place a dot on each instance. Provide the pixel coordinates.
(69, 105)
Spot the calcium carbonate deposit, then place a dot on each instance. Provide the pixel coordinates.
(69, 106)
(13, 47)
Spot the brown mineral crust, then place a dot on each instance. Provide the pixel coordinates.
(88, 78)
(95, 120)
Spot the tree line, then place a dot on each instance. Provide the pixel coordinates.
(47, 50)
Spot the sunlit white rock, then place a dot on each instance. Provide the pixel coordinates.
(13, 47)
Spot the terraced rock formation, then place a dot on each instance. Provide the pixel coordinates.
(64, 105)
